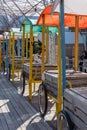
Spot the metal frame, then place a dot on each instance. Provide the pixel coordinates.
(59, 68)
(31, 80)
(11, 46)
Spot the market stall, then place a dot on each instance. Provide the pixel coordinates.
(73, 114)
(58, 81)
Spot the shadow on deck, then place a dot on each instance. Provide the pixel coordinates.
(17, 113)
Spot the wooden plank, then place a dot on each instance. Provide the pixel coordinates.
(3, 123)
(75, 101)
(22, 115)
(23, 109)
(16, 106)
(14, 117)
(37, 67)
(81, 91)
(13, 114)
(77, 79)
(51, 89)
(23, 102)
(80, 124)
(76, 111)
(7, 117)
(28, 108)
(53, 77)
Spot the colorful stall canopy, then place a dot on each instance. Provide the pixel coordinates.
(53, 29)
(53, 19)
(28, 24)
(37, 28)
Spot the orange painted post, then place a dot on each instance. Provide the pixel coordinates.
(76, 43)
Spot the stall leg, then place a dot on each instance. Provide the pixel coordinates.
(34, 87)
(58, 108)
(30, 90)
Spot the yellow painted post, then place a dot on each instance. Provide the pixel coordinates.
(13, 58)
(0, 55)
(26, 45)
(31, 60)
(9, 44)
(34, 87)
(43, 41)
(76, 43)
(47, 44)
(59, 93)
(23, 44)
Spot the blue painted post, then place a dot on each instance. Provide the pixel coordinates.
(3, 46)
(62, 38)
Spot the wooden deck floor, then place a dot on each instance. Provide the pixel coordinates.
(50, 117)
(16, 113)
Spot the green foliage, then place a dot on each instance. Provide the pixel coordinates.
(36, 49)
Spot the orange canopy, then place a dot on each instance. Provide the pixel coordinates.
(53, 20)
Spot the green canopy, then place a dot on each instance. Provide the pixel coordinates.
(28, 24)
(37, 28)
(53, 29)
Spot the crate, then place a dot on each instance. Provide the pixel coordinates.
(75, 103)
(18, 62)
(76, 78)
(36, 72)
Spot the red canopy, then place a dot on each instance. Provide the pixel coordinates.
(53, 20)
